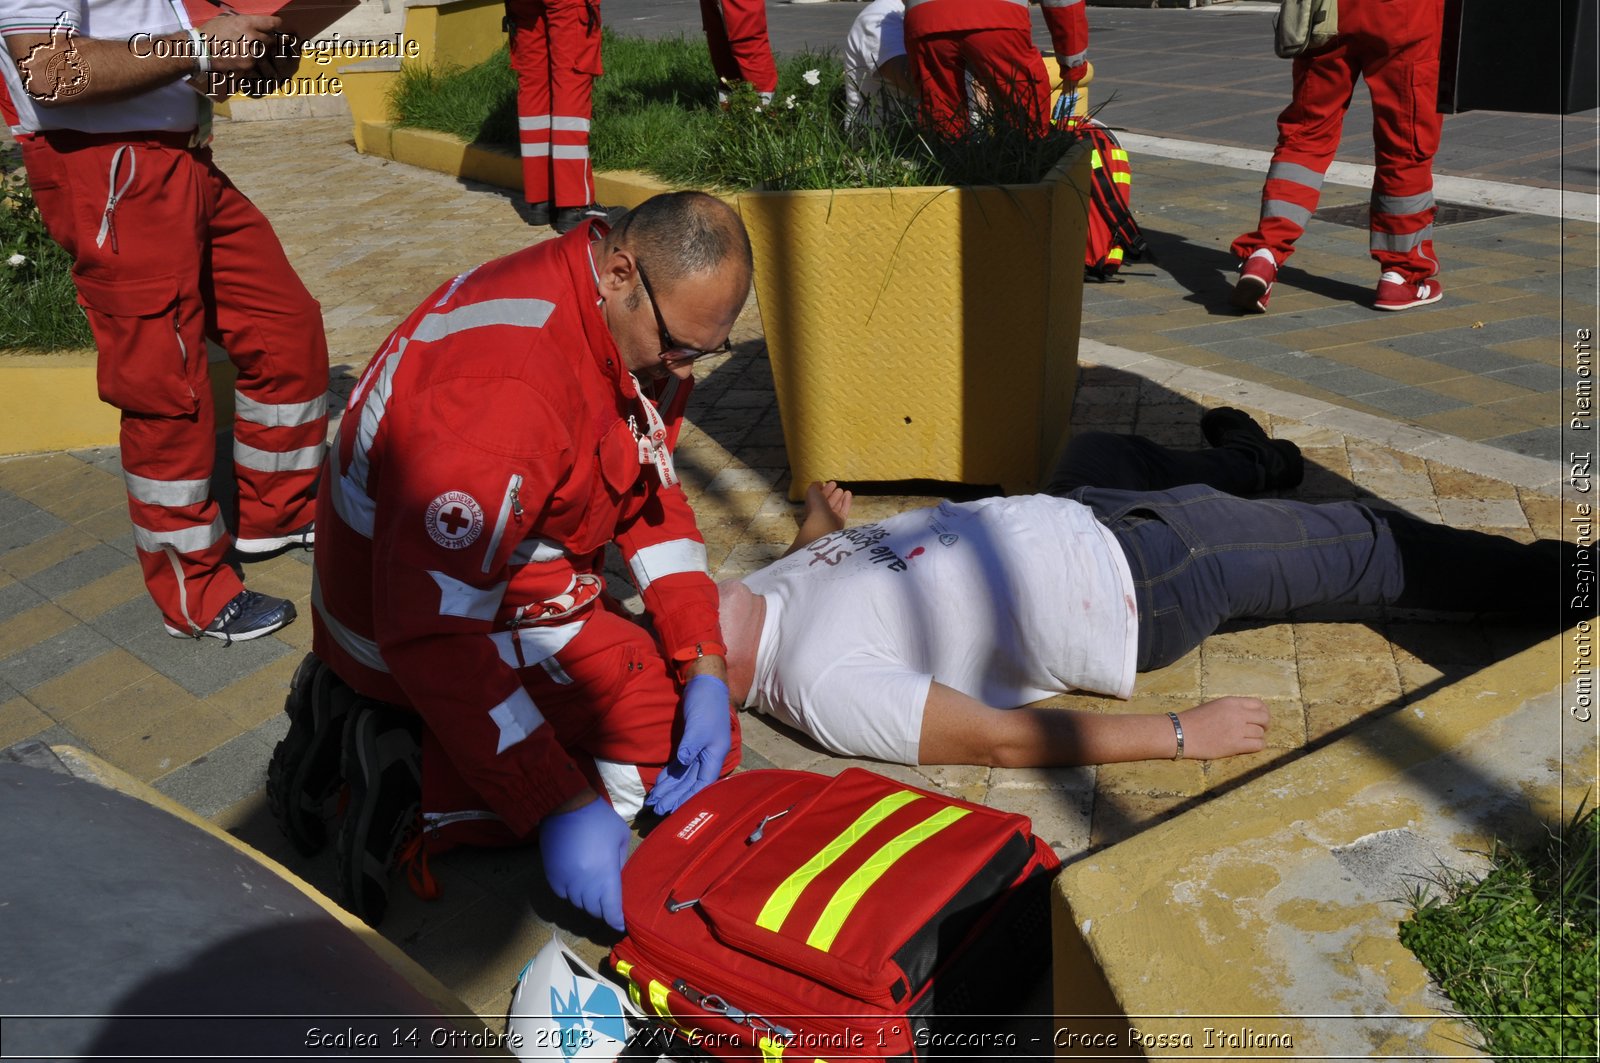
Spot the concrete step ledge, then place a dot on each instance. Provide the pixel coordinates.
(52, 402)
(1262, 924)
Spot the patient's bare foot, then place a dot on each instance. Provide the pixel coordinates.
(1224, 727)
(826, 507)
(824, 512)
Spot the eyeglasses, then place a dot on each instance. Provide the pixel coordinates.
(671, 349)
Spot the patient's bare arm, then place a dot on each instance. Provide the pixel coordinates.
(826, 507)
(957, 729)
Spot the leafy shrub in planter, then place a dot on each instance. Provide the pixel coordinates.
(41, 308)
(656, 110)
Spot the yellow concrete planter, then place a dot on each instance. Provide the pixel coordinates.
(366, 90)
(51, 402)
(923, 333)
(438, 33)
(454, 32)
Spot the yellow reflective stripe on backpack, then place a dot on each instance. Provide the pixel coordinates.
(784, 898)
(623, 967)
(1119, 154)
(844, 901)
(1094, 159)
(770, 1049)
(1122, 177)
(658, 999)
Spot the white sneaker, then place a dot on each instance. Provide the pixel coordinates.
(304, 537)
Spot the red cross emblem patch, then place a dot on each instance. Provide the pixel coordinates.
(454, 520)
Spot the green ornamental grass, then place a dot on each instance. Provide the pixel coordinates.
(41, 308)
(1516, 951)
(656, 109)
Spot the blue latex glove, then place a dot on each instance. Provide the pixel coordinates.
(583, 852)
(707, 738)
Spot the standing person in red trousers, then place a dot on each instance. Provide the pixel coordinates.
(167, 253)
(555, 51)
(1394, 45)
(736, 31)
(993, 40)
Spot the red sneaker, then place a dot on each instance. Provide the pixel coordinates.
(1254, 288)
(1397, 293)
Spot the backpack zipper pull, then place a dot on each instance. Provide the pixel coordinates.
(678, 906)
(761, 827)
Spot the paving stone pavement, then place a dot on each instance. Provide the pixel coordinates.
(83, 660)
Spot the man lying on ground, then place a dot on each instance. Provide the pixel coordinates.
(916, 638)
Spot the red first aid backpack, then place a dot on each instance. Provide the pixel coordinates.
(789, 915)
(1114, 237)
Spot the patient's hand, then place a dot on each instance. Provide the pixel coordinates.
(1224, 727)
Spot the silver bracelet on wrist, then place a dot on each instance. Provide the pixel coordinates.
(202, 52)
(1177, 729)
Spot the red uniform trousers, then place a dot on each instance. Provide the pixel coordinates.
(166, 254)
(1394, 45)
(736, 32)
(990, 39)
(614, 707)
(555, 51)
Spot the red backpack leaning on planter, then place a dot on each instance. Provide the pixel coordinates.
(1114, 237)
(789, 915)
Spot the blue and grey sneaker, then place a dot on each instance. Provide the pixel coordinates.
(305, 774)
(383, 764)
(248, 615)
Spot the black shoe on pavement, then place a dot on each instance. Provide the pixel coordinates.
(535, 214)
(567, 219)
(306, 773)
(247, 616)
(1282, 465)
(383, 763)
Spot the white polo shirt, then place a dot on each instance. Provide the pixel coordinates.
(1008, 600)
(174, 107)
(877, 36)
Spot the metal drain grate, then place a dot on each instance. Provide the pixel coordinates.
(1355, 214)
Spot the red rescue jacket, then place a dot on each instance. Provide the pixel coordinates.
(487, 456)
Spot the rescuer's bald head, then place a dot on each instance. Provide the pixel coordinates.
(686, 234)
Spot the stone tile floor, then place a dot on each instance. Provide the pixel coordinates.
(83, 660)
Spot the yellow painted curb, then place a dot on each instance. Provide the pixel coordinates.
(52, 402)
(1238, 930)
(447, 154)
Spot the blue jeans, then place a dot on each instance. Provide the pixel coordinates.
(1200, 557)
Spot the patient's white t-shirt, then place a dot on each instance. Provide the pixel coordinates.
(1008, 600)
